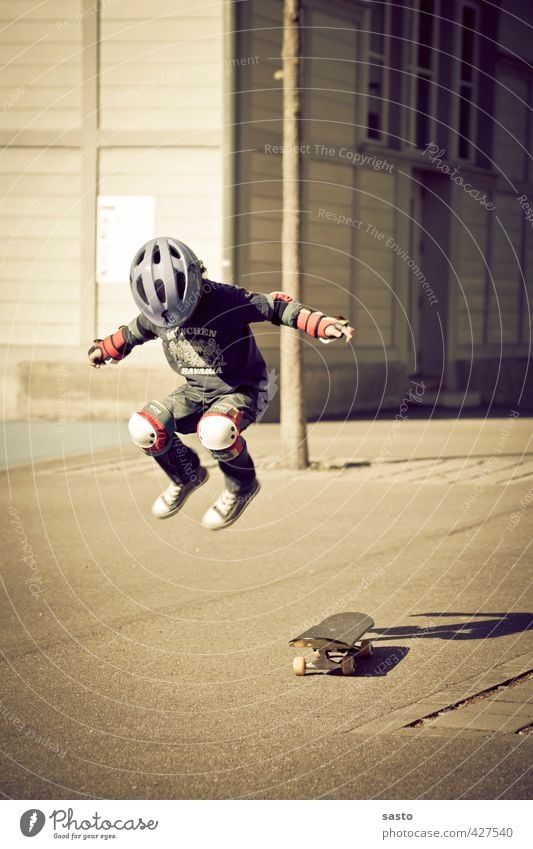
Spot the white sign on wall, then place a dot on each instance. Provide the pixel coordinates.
(125, 222)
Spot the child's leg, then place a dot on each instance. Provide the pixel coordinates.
(224, 421)
(236, 464)
(239, 473)
(153, 429)
(180, 462)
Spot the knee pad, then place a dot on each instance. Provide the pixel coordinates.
(218, 431)
(152, 429)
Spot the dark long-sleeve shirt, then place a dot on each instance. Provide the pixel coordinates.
(215, 349)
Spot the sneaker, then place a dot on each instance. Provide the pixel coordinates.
(229, 507)
(175, 495)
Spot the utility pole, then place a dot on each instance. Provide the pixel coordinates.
(292, 410)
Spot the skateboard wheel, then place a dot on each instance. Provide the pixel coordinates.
(299, 665)
(348, 666)
(367, 648)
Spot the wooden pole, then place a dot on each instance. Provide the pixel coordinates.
(292, 409)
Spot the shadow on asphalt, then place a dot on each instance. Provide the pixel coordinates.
(381, 663)
(473, 626)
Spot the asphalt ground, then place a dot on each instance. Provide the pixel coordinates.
(148, 659)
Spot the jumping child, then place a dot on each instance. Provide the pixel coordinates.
(206, 335)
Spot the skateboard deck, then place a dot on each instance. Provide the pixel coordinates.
(336, 644)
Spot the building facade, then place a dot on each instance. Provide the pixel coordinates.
(120, 121)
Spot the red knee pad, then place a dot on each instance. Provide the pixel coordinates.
(218, 431)
(152, 429)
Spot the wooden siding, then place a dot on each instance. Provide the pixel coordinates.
(260, 110)
(329, 245)
(40, 246)
(41, 75)
(375, 261)
(329, 79)
(504, 296)
(510, 125)
(526, 286)
(161, 66)
(469, 275)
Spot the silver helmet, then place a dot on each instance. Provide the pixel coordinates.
(165, 281)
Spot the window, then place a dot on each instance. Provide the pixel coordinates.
(378, 64)
(423, 69)
(466, 80)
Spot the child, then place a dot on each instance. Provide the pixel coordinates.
(206, 335)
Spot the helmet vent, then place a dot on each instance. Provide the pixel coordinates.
(166, 281)
(159, 287)
(140, 290)
(180, 284)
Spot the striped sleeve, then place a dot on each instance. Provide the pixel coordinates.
(138, 331)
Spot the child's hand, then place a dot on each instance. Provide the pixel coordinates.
(335, 331)
(96, 358)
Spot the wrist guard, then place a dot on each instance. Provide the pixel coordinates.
(315, 323)
(113, 347)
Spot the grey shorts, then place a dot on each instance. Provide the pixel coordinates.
(188, 406)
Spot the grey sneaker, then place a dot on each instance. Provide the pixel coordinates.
(175, 495)
(229, 507)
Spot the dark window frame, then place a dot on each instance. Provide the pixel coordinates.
(379, 58)
(466, 90)
(422, 72)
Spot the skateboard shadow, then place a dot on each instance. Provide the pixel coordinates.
(471, 626)
(383, 661)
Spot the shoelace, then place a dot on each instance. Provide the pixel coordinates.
(172, 493)
(226, 501)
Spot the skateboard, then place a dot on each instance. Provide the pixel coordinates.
(336, 644)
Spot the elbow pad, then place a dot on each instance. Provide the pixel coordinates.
(283, 308)
(113, 347)
(316, 323)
